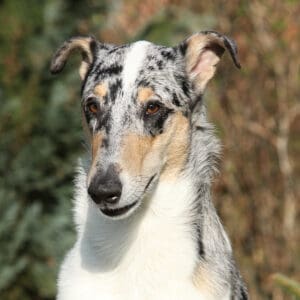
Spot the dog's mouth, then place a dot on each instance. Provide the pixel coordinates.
(122, 211)
(116, 212)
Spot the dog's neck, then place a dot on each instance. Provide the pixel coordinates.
(178, 208)
(163, 214)
(166, 230)
(173, 235)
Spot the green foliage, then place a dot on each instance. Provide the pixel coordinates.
(40, 142)
(287, 284)
(41, 136)
(172, 25)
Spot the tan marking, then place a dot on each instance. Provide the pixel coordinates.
(203, 281)
(134, 150)
(144, 94)
(143, 155)
(84, 44)
(177, 149)
(83, 69)
(100, 90)
(96, 145)
(196, 43)
(200, 60)
(62, 54)
(86, 127)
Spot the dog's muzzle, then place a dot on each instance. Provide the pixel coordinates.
(106, 188)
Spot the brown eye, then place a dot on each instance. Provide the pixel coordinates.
(93, 107)
(152, 108)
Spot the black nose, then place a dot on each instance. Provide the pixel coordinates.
(106, 187)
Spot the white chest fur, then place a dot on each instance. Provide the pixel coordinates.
(151, 256)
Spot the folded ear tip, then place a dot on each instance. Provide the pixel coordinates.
(236, 62)
(60, 57)
(231, 46)
(56, 67)
(53, 69)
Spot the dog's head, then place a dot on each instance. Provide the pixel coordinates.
(137, 105)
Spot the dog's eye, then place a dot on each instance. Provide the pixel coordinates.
(152, 108)
(92, 106)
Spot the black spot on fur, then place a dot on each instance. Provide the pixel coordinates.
(104, 143)
(144, 83)
(183, 83)
(104, 121)
(201, 251)
(175, 100)
(244, 295)
(160, 64)
(114, 69)
(168, 55)
(182, 48)
(114, 88)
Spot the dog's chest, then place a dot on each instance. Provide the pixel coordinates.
(153, 258)
(158, 265)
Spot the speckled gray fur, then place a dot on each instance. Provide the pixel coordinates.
(163, 69)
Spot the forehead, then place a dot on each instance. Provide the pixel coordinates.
(123, 69)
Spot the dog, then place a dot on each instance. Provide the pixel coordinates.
(146, 225)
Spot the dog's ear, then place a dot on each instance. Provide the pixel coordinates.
(202, 51)
(85, 45)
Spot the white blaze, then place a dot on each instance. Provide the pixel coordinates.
(133, 63)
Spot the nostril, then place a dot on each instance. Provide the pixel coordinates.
(113, 197)
(106, 187)
(93, 194)
(105, 194)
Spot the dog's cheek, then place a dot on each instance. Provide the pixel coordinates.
(178, 147)
(133, 152)
(156, 125)
(154, 160)
(169, 149)
(96, 142)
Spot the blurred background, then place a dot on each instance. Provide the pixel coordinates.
(256, 112)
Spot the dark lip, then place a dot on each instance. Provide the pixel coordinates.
(117, 211)
(149, 182)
